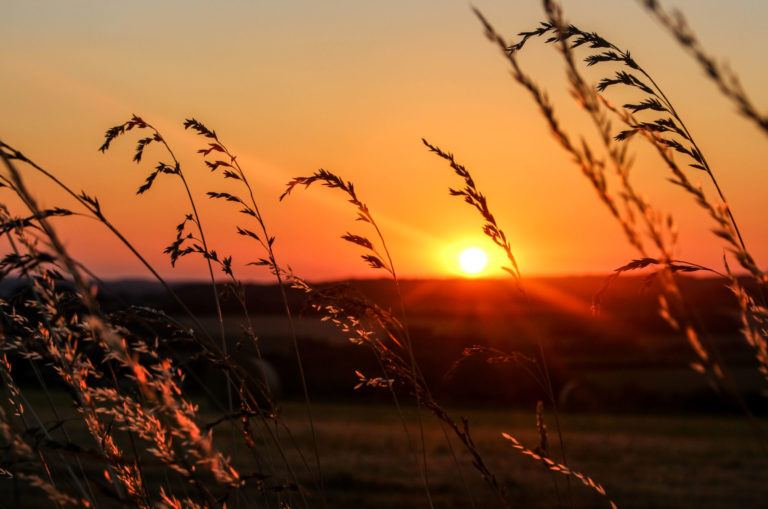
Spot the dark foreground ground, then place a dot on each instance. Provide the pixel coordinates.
(642, 461)
(636, 418)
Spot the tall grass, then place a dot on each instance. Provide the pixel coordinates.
(138, 437)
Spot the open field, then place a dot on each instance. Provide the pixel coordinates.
(646, 435)
(233, 377)
(643, 461)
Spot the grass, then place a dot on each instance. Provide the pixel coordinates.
(106, 417)
(653, 461)
(647, 461)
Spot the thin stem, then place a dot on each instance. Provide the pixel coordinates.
(411, 355)
(86, 296)
(92, 205)
(267, 243)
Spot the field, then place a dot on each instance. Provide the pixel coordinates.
(641, 386)
(643, 461)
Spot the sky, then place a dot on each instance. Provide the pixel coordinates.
(352, 87)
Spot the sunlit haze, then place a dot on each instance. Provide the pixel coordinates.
(473, 260)
(353, 87)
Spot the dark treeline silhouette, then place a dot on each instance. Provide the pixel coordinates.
(623, 356)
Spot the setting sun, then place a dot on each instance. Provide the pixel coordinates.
(473, 260)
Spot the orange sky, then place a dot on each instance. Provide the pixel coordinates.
(352, 87)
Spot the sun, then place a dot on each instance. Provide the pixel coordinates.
(473, 260)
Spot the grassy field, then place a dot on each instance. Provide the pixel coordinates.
(104, 401)
(642, 461)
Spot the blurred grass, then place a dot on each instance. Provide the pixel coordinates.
(643, 461)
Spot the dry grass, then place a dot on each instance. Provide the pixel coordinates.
(107, 421)
(649, 461)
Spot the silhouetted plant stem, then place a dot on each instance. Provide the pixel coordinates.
(296, 349)
(93, 206)
(411, 355)
(476, 199)
(31, 204)
(726, 80)
(374, 260)
(591, 102)
(362, 319)
(267, 243)
(207, 253)
(704, 162)
(87, 404)
(207, 257)
(570, 37)
(88, 495)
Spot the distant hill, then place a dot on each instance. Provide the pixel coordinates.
(630, 297)
(624, 354)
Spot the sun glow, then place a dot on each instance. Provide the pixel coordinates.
(473, 260)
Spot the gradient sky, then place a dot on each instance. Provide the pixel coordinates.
(351, 86)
